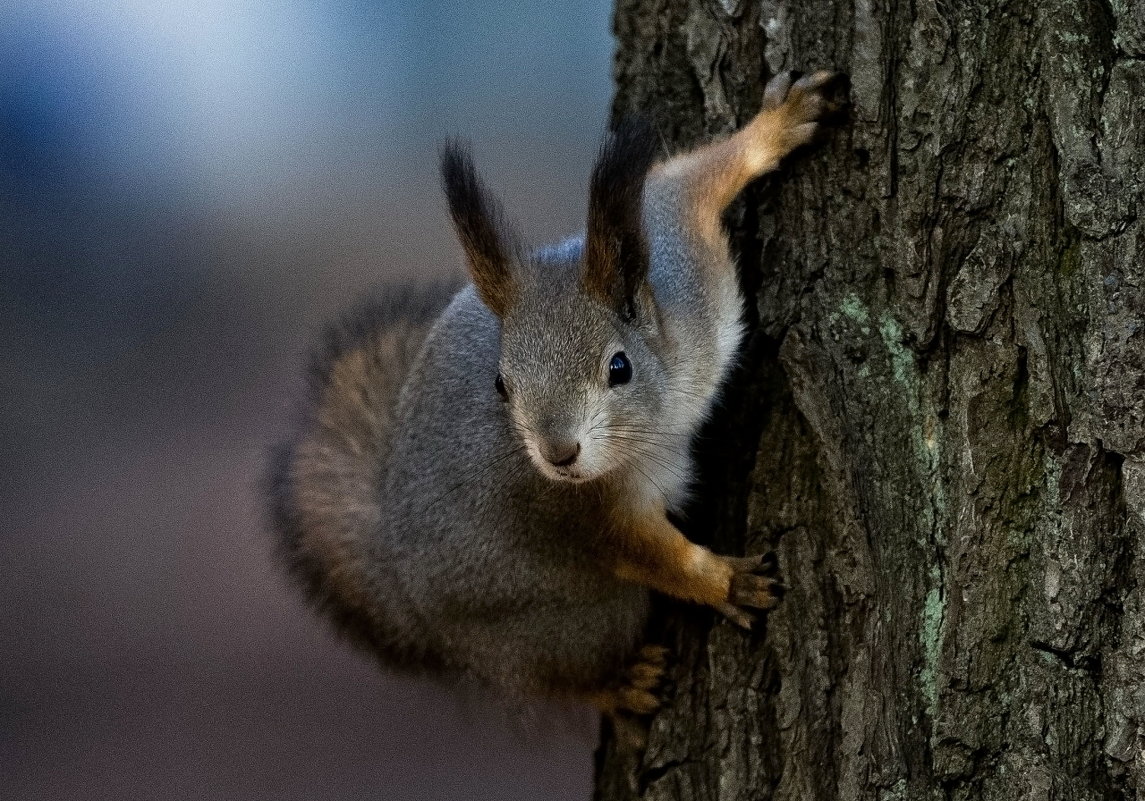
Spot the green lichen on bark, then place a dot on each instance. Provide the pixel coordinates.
(945, 388)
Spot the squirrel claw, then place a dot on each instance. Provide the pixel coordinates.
(736, 615)
(769, 564)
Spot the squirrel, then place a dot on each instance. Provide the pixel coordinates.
(480, 482)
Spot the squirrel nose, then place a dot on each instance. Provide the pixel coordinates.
(561, 454)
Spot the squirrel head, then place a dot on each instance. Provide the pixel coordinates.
(581, 370)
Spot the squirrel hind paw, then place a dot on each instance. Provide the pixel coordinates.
(636, 696)
(637, 691)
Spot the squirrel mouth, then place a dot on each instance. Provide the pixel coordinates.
(565, 474)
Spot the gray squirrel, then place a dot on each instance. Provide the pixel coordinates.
(479, 486)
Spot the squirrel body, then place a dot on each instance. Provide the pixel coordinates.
(481, 480)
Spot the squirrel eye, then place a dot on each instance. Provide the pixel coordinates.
(499, 383)
(619, 370)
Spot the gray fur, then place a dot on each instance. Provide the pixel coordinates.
(432, 527)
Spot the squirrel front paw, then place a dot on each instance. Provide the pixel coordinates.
(754, 584)
(803, 104)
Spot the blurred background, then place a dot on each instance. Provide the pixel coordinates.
(190, 189)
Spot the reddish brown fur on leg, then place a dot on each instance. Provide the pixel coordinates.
(710, 177)
(652, 552)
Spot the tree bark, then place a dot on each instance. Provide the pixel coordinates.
(939, 419)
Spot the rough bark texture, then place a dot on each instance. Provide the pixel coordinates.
(940, 420)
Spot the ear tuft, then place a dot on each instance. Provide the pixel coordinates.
(616, 250)
(489, 242)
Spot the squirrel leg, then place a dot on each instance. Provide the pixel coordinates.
(707, 179)
(656, 554)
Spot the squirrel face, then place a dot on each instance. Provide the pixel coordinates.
(582, 386)
(579, 368)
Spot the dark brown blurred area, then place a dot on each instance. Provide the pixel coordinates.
(189, 191)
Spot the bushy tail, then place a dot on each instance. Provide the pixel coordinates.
(326, 482)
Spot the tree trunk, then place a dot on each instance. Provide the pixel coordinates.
(939, 419)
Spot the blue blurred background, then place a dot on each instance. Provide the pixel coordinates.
(190, 189)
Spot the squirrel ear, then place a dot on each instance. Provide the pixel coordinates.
(616, 250)
(489, 242)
